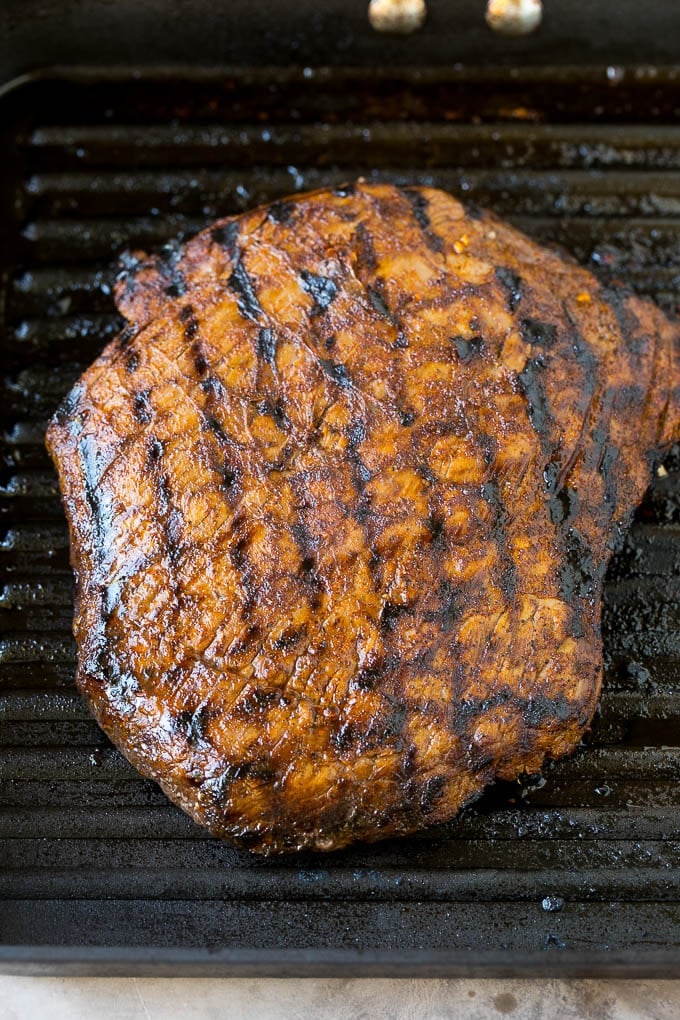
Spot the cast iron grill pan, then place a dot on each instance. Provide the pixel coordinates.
(573, 873)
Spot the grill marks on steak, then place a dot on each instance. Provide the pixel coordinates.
(341, 500)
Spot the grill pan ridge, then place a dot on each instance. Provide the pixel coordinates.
(575, 873)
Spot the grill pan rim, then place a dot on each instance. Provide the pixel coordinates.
(149, 961)
(407, 73)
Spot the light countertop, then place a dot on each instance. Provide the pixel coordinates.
(238, 999)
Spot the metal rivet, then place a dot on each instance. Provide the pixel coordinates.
(400, 16)
(514, 17)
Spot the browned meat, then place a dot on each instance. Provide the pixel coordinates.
(341, 497)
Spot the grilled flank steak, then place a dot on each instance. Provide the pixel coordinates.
(341, 497)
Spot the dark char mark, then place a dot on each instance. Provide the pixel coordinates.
(266, 345)
(388, 725)
(275, 411)
(344, 190)
(125, 337)
(226, 236)
(308, 561)
(320, 288)
(132, 362)
(426, 473)
(177, 286)
(344, 737)
(220, 788)
(391, 614)
(538, 333)
(337, 372)
(231, 479)
(141, 407)
(308, 568)
(87, 452)
(213, 388)
(193, 724)
(450, 607)
(368, 677)
(608, 458)
(629, 400)
(121, 688)
(281, 212)
(467, 347)
(531, 384)
(585, 359)
(284, 642)
(489, 445)
(408, 762)
(407, 418)
(305, 542)
(241, 562)
(467, 711)
(541, 709)
(356, 434)
(563, 505)
(170, 517)
(200, 361)
(256, 701)
(156, 450)
(513, 284)
(229, 471)
(252, 633)
(309, 574)
(550, 474)
(240, 282)
(578, 572)
(395, 718)
(365, 249)
(362, 514)
(191, 328)
(432, 792)
(437, 528)
(380, 305)
(420, 207)
(632, 336)
(508, 579)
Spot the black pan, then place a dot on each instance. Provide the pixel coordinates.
(573, 874)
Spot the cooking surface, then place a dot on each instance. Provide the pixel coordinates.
(586, 860)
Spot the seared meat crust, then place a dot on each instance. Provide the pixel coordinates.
(341, 498)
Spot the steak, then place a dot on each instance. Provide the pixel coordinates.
(341, 497)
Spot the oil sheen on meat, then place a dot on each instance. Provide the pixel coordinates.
(341, 498)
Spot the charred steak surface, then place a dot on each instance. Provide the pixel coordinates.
(341, 499)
